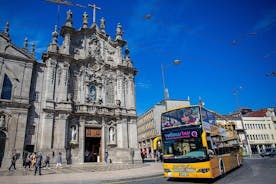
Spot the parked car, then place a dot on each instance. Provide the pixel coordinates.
(269, 152)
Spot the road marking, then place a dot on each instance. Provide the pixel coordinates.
(131, 180)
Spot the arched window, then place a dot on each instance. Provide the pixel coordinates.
(7, 88)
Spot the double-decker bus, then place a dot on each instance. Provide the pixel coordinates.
(195, 146)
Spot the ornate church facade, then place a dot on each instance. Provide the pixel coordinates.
(79, 101)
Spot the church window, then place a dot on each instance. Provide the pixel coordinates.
(7, 88)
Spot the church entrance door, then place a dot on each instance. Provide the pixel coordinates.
(2, 145)
(92, 145)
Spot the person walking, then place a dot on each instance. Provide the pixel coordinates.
(28, 161)
(59, 160)
(38, 163)
(68, 157)
(105, 156)
(33, 160)
(13, 161)
(142, 156)
(157, 155)
(47, 161)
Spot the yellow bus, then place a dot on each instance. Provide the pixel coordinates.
(195, 146)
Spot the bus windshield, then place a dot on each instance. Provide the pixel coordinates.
(183, 144)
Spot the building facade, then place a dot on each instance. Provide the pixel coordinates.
(16, 66)
(235, 123)
(79, 101)
(256, 129)
(260, 130)
(149, 126)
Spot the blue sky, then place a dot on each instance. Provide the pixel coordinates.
(222, 45)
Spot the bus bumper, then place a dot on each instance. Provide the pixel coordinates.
(187, 171)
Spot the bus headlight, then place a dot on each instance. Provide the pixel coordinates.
(203, 170)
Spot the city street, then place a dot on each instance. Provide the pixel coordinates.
(253, 171)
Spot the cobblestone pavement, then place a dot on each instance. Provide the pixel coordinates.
(82, 174)
(20, 171)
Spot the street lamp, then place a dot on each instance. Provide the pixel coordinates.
(165, 90)
(248, 147)
(236, 94)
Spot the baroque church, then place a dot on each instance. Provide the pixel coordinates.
(79, 101)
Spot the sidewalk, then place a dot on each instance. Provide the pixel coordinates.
(86, 174)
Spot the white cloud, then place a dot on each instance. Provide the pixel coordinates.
(267, 20)
(143, 85)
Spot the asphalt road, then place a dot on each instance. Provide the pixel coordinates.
(253, 171)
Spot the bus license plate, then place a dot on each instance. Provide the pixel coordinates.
(183, 174)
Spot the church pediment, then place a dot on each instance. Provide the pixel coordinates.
(86, 46)
(9, 49)
(92, 44)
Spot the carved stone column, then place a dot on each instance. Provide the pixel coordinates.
(80, 149)
(46, 131)
(60, 133)
(131, 93)
(50, 78)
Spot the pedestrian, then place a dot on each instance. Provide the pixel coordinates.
(47, 160)
(105, 156)
(142, 156)
(59, 160)
(68, 157)
(28, 161)
(161, 156)
(38, 163)
(33, 160)
(13, 161)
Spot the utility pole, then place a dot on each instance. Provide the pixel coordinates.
(165, 90)
(248, 147)
(63, 2)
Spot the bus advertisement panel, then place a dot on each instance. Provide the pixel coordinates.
(194, 146)
(180, 117)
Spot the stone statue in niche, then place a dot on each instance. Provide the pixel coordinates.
(74, 133)
(2, 122)
(111, 135)
(92, 93)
